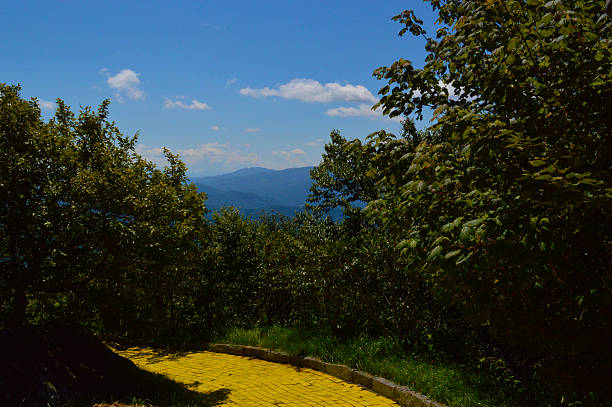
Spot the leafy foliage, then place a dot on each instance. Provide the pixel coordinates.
(83, 216)
(509, 206)
(341, 179)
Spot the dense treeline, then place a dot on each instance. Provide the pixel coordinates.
(83, 215)
(485, 238)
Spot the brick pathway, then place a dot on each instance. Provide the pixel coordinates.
(254, 382)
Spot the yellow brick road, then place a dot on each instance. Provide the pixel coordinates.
(254, 382)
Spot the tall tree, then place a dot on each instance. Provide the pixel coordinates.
(511, 208)
(80, 209)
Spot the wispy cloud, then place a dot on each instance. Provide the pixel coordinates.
(231, 81)
(155, 154)
(195, 158)
(315, 143)
(179, 104)
(252, 130)
(309, 90)
(214, 128)
(292, 157)
(363, 110)
(222, 157)
(46, 105)
(217, 153)
(125, 83)
(289, 154)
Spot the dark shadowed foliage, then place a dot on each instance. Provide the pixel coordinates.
(56, 364)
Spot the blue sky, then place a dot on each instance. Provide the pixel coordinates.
(227, 85)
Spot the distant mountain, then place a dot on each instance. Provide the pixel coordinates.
(287, 187)
(217, 198)
(257, 189)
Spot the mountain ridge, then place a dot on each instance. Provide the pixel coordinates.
(288, 187)
(256, 189)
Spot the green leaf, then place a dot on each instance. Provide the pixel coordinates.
(473, 223)
(435, 252)
(547, 18)
(463, 258)
(466, 234)
(512, 43)
(452, 254)
(537, 163)
(602, 18)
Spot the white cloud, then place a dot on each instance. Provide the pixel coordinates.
(362, 110)
(252, 130)
(223, 157)
(293, 157)
(216, 153)
(231, 81)
(155, 154)
(46, 105)
(315, 143)
(195, 158)
(178, 104)
(215, 128)
(289, 154)
(453, 93)
(125, 83)
(309, 90)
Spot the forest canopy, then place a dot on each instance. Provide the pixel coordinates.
(81, 210)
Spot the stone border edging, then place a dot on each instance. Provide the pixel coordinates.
(400, 394)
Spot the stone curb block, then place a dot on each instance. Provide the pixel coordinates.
(340, 371)
(408, 398)
(227, 348)
(278, 357)
(216, 347)
(362, 378)
(296, 361)
(254, 351)
(401, 394)
(313, 363)
(383, 386)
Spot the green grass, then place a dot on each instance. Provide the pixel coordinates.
(445, 382)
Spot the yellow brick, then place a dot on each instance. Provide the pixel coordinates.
(254, 382)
